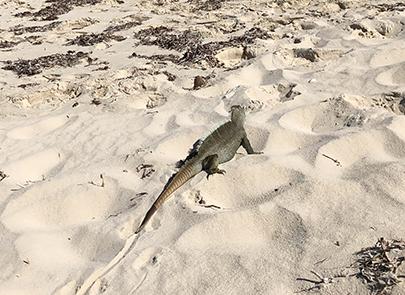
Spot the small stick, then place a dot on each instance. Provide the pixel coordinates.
(212, 206)
(102, 181)
(2, 175)
(334, 160)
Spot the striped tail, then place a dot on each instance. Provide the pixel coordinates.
(184, 175)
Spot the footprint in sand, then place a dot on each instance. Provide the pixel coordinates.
(38, 128)
(392, 77)
(388, 57)
(337, 155)
(242, 188)
(324, 117)
(63, 202)
(34, 167)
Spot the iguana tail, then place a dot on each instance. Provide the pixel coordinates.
(187, 172)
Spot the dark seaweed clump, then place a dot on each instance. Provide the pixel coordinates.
(206, 52)
(125, 26)
(250, 36)
(167, 39)
(29, 67)
(379, 265)
(203, 52)
(56, 8)
(398, 6)
(207, 5)
(92, 38)
(190, 43)
(18, 30)
(7, 44)
(158, 57)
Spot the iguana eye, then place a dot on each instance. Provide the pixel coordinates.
(236, 106)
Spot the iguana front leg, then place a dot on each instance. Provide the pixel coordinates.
(210, 165)
(247, 146)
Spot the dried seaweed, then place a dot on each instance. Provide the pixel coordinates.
(207, 5)
(122, 27)
(146, 170)
(306, 53)
(158, 57)
(378, 265)
(398, 6)
(58, 7)
(19, 30)
(29, 67)
(250, 36)
(8, 44)
(190, 44)
(202, 52)
(170, 77)
(167, 39)
(90, 39)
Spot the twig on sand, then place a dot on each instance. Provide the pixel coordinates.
(212, 206)
(27, 183)
(319, 282)
(378, 265)
(334, 160)
(146, 170)
(2, 175)
(102, 181)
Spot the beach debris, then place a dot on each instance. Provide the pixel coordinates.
(161, 58)
(155, 99)
(353, 120)
(306, 53)
(56, 8)
(202, 54)
(166, 38)
(287, 92)
(141, 194)
(146, 170)
(191, 45)
(19, 30)
(200, 201)
(89, 39)
(250, 36)
(102, 181)
(207, 5)
(170, 77)
(248, 53)
(29, 67)
(125, 26)
(7, 44)
(199, 82)
(2, 175)
(398, 6)
(380, 265)
(334, 160)
(320, 282)
(95, 101)
(27, 184)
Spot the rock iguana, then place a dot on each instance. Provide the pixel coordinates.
(219, 147)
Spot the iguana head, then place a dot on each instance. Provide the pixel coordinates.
(238, 115)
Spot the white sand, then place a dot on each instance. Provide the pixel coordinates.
(330, 181)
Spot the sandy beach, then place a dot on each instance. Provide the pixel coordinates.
(99, 99)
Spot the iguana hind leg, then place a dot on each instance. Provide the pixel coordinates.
(210, 165)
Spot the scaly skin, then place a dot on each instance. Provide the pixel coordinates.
(219, 147)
